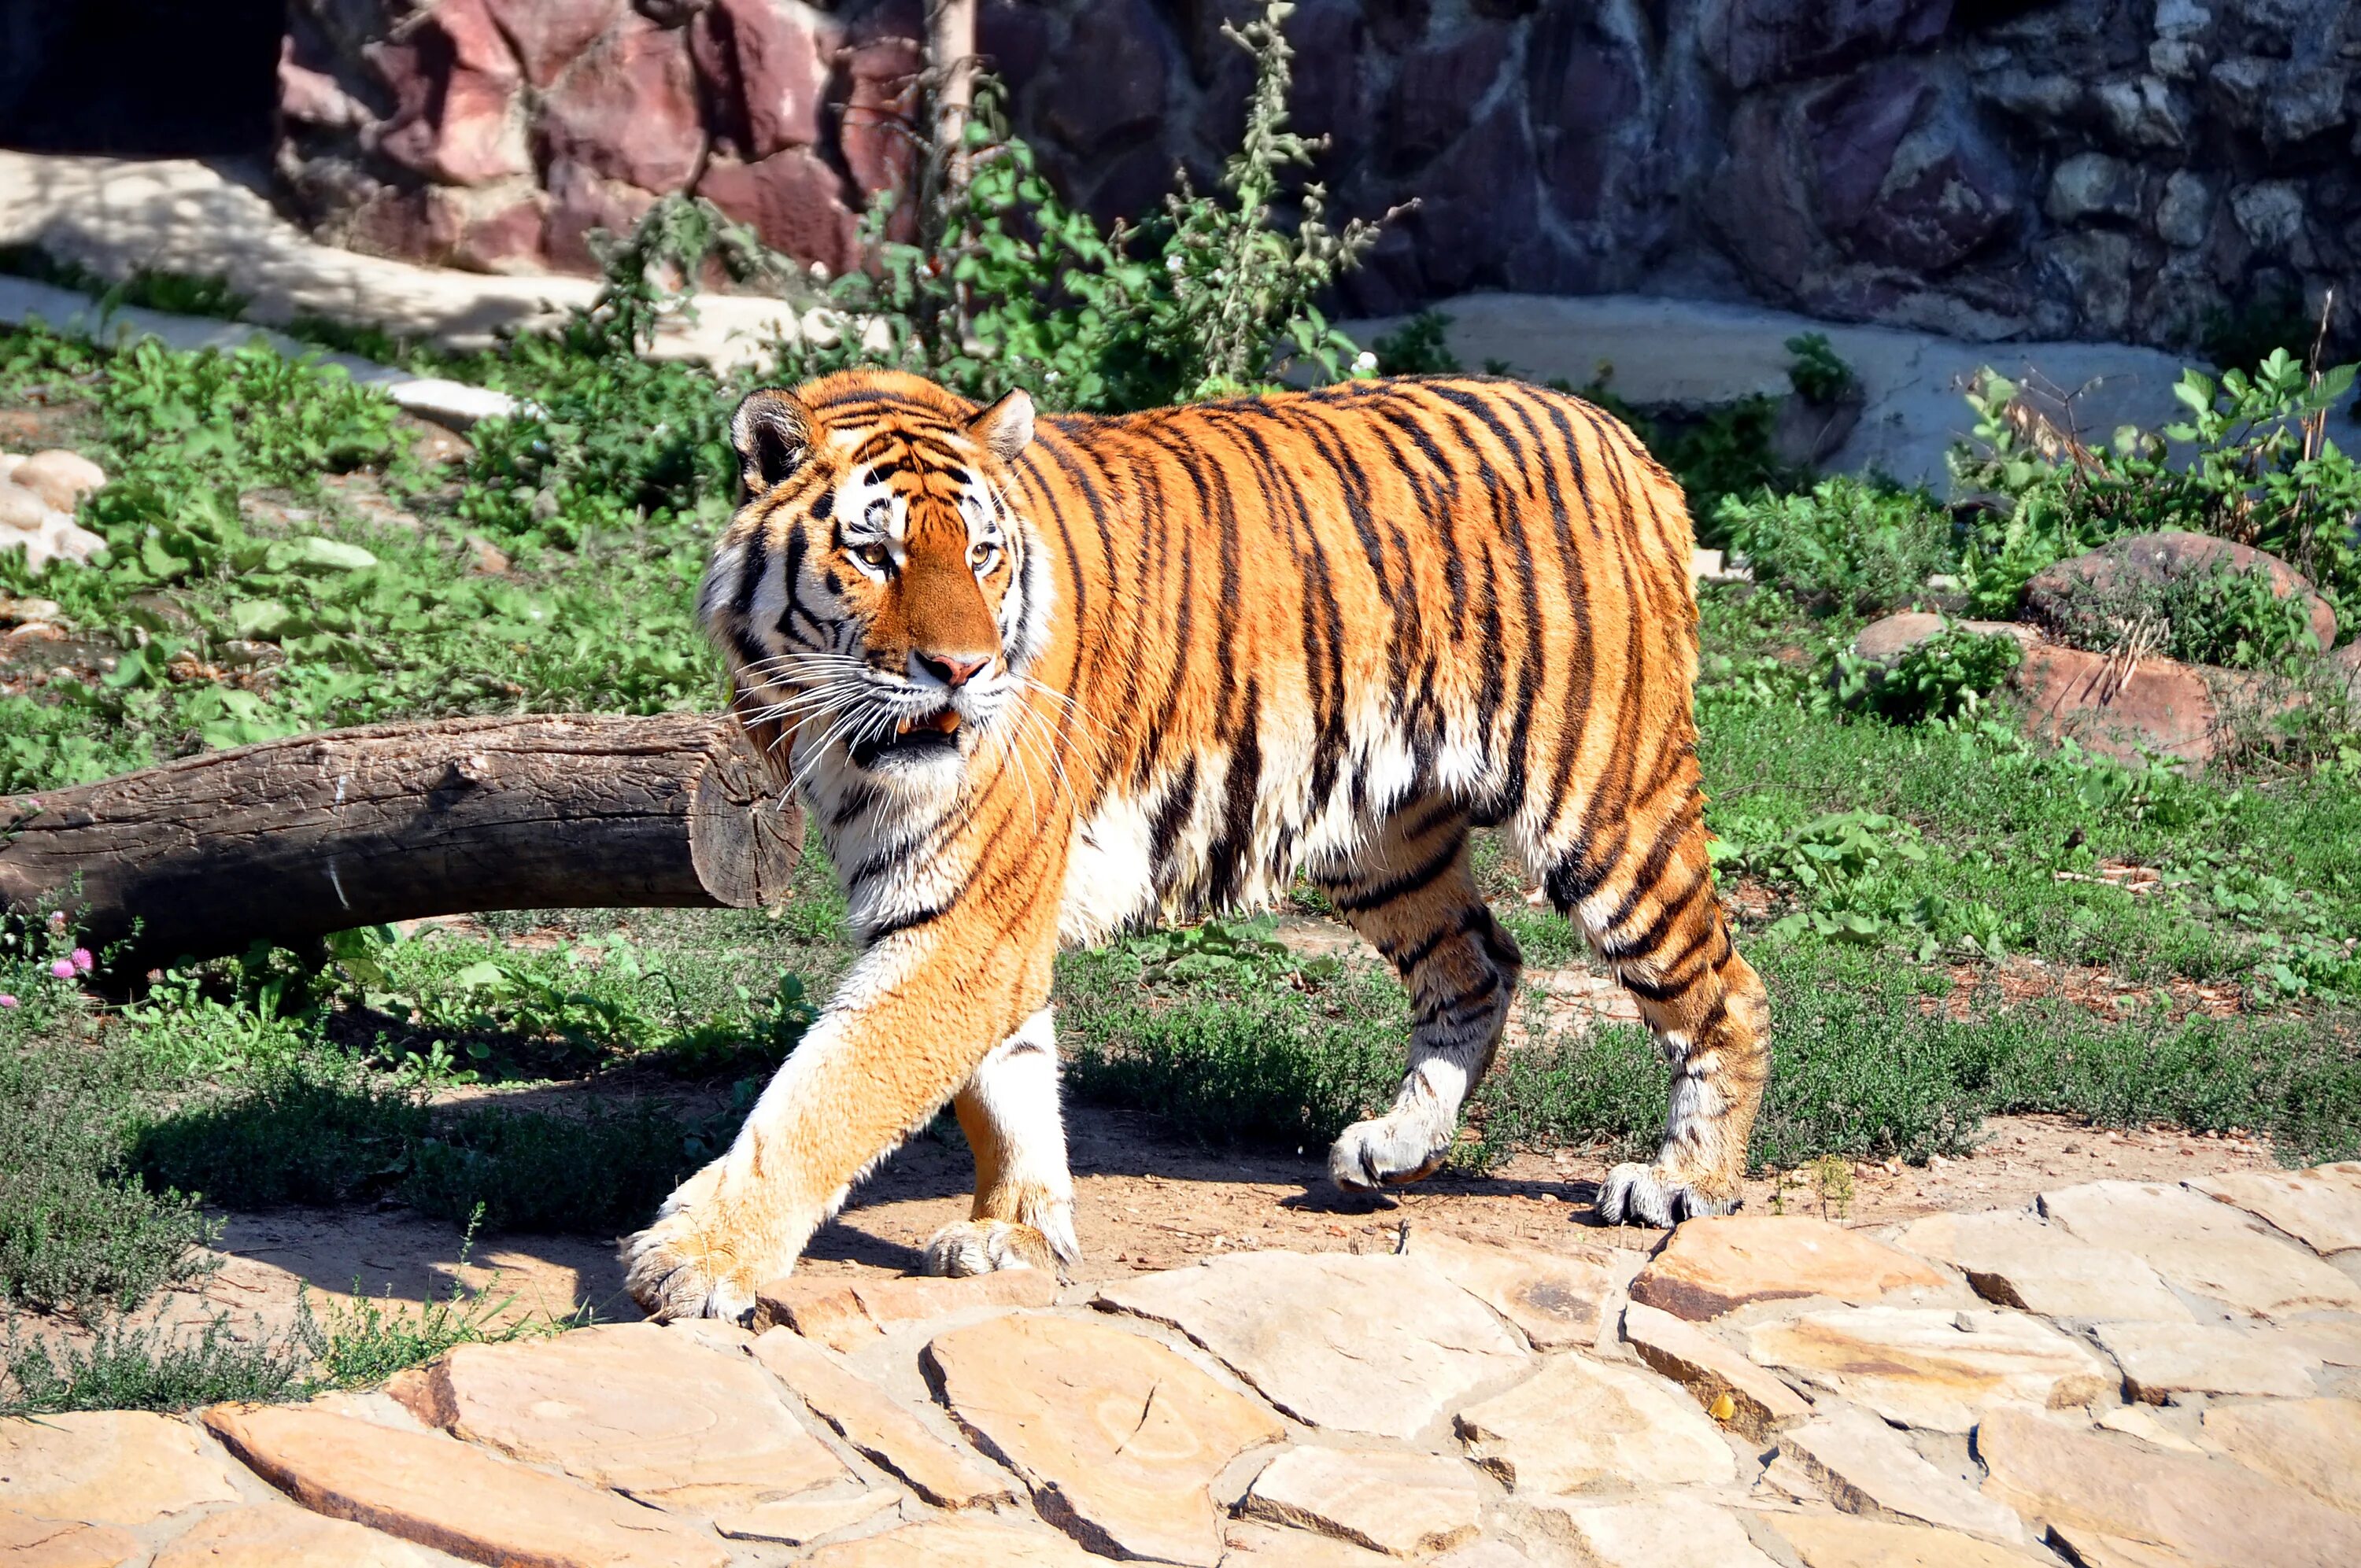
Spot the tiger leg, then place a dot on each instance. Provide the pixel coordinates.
(1411, 893)
(1024, 1215)
(1654, 919)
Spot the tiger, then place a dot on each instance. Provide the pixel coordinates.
(1040, 678)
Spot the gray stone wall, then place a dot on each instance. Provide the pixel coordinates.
(2118, 169)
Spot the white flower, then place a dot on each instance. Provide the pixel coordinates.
(1364, 363)
(1176, 262)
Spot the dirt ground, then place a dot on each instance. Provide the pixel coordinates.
(1143, 1202)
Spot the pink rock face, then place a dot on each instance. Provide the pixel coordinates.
(456, 86)
(2165, 707)
(580, 200)
(792, 200)
(877, 147)
(764, 60)
(2061, 595)
(628, 109)
(550, 35)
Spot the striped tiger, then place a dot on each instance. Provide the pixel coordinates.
(1038, 680)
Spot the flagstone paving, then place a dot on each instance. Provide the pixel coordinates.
(2127, 1373)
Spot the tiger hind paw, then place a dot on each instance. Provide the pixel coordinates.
(987, 1247)
(1650, 1195)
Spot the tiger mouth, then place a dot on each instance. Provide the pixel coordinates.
(928, 735)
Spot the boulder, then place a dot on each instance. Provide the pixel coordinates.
(1408, 1505)
(269, 1534)
(1585, 1426)
(2161, 1361)
(109, 1467)
(2015, 1259)
(628, 109)
(458, 89)
(1937, 1369)
(550, 35)
(2313, 1445)
(1557, 1300)
(872, 1421)
(2163, 707)
(2320, 1207)
(766, 63)
(845, 1314)
(1712, 1265)
(27, 1540)
(1887, 639)
(1733, 1389)
(1868, 1468)
(61, 478)
(794, 199)
(1668, 1529)
(1841, 1540)
(2203, 1245)
(1754, 42)
(2072, 599)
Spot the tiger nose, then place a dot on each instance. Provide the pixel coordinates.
(950, 669)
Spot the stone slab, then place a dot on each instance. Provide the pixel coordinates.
(1580, 1425)
(874, 1422)
(1408, 1505)
(1250, 1545)
(1934, 1367)
(273, 1535)
(2161, 1360)
(118, 1467)
(1841, 1540)
(2203, 1245)
(2016, 1259)
(1865, 1467)
(844, 1315)
(2321, 1207)
(433, 1489)
(1379, 1344)
(797, 1521)
(1118, 1435)
(1671, 1530)
(28, 1542)
(1557, 1300)
(1713, 1265)
(956, 1543)
(2215, 1513)
(632, 1407)
(1733, 1390)
(2313, 1445)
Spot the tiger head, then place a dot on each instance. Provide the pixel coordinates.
(877, 590)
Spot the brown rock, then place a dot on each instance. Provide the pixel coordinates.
(873, 1422)
(845, 1315)
(628, 109)
(2160, 1360)
(550, 35)
(1249, 1545)
(2163, 707)
(1582, 1426)
(457, 116)
(957, 1543)
(2214, 1513)
(877, 112)
(1118, 1436)
(794, 199)
(1866, 1467)
(124, 1467)
(796, 1520)
(632, 1407)
(1376, 1343)
(2313, 1445)
(2203, 1245)
(2320, 1207)
(1409, 1505)
(1732, 1389)
(2015, 1259)
(1934, 1367)
(61, 478)
(438, 1492)
(1837, 1541)
(1556, 1297)
(2073, 598)
(276, 1536)
(1671, 1530)
(1712, 1265)
(1883, 640)
(26, 1541)
(767, 63)
(580, 200)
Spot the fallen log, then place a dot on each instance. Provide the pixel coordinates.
(290, 839)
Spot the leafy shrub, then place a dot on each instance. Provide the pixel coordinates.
(1420, 347)
(1845, 545)
(1946, 676)
(1817, 373)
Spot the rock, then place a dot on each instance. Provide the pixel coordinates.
(2203, 1245)
(21, 511)
(2096, 267)
(1934, 1368)
(2186, 209)
(767, 60)
(628, 109)
(1671, 1530)
(276, 1536)
(1118, 55)
(1887, 639)
(1754, 42)
(797, 1521)
(844, 1316)
(1118, 1436)
(1712, 1265)
(456, 91)
(2304, 102)
(2143, 1422)
(2146, 112)
(1376, 1343)
(59, 478)
(2313, 1445)
(631, 1406)
(550, 35)
(1481, 1554)
(1732, 1389)
(2014, 1259)
(118, 1467)
(1249, 1545)
(876, 1424)
(1581, 1425)
(876, 147)
(1433, 90)
(2160, 1360)
(1555, 1298)
(957, 1543)
(2164, 707)
(2320, 1207)
(1409, 1505)
(794, 200)
(1866, 1467)
(2075, 599)
(438, 1492)
(2205, 1511)
(28, 1541)
(2093, 185)
(1826, 1541)
(2269, 212)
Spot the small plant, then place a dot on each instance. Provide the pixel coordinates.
(1420, 347)
(363, 1343)
(1947, 677)
(1844, 546)
(1815, 373)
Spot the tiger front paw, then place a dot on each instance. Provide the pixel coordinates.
(1388, 1151)
(987, 1247)
(1653, 1195)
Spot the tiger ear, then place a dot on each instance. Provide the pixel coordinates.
(772, 431)
(1006, 427)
